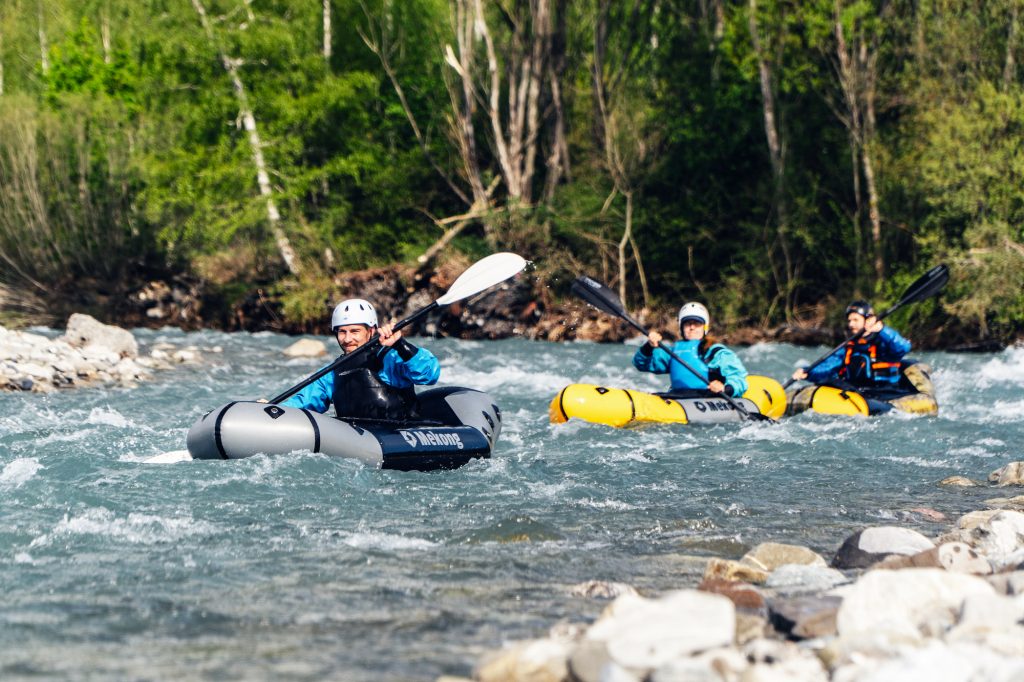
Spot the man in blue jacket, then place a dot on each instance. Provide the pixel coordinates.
(870, 360)
(720, 369)
(379, 383)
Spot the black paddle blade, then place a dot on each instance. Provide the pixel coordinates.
(927, 285)
(598, 295)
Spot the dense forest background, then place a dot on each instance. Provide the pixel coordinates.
(773, 158)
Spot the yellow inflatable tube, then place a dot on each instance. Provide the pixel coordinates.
(624, 407)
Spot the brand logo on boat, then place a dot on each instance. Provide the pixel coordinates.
(710, 406)
(434, 438)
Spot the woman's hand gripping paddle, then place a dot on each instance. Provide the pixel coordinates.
(482, 275)
(605, 300)
(926, 286)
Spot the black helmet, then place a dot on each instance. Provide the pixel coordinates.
(861, 308)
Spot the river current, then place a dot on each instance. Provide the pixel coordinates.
(307, 567)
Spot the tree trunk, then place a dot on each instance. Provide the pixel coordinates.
(284, 246)
(627, 235)
(776, 156)
(1010, 65)
(849, 85)
(44, 48)
(868, 65)
(105, 33)
(327, 30)
(558, 164)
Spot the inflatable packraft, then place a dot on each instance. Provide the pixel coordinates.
(627, 407)
(455, 426)
(915, 394)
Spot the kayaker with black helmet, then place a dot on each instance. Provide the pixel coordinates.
(871, 359)
(378, 384)
(721, 369)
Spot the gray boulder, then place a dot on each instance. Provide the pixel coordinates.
(84, 331)
(871, 545)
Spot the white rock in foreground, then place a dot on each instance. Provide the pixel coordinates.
(644, 633)
(1000, 538)
(905, 605)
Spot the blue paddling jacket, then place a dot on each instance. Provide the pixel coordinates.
(716, 362)
(378, 385)
(870, 361)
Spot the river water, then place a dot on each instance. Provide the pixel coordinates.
(306, 567)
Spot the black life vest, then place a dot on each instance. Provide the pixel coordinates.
(359, 392)
(861, 366)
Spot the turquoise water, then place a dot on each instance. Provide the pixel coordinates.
(306, 567)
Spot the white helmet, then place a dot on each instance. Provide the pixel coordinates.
(694, 311)
(354, 311)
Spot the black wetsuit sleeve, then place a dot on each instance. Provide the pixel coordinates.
(647, 349)
(406, 350)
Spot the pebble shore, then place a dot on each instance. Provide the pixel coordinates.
(890, 605)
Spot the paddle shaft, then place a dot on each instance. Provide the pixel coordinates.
(663, 346)
(347, 357)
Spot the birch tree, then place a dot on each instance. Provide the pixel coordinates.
(231, 65)
(503, 71)
(629, 137)
(327, 29)
(44, 47)
(856, 30)
(785, 279)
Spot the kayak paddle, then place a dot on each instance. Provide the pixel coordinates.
(926, 286)
(483, 274)
(606, 300)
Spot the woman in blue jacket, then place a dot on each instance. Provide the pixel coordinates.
(721, 371)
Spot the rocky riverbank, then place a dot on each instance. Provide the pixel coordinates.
(892, 604)
(526, 307)
(89, 353)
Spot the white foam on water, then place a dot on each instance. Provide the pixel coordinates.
(973, 451)
(1006, 369)
(759, 351)
(255, 469)
(15, 474)
(135, 528)
(1000, 411)
(628, 455)
(23, 558)
(71, 437)
(526, 379)
(386, 541)
(107, 416)
(991, 442)
(549, 490)
(919, 461)
(787, 432)
(606, 504)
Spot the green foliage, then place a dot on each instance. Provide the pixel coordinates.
(129, 151)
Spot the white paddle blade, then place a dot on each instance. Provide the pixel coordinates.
(484, 274)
